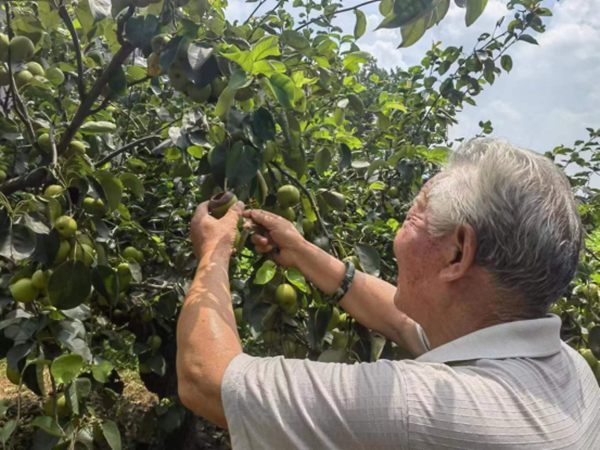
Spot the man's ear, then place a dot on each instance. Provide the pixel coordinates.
(460, 254)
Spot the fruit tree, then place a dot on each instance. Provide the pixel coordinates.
(117, 119)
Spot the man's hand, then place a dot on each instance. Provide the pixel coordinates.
(209, 234)
(282, 241)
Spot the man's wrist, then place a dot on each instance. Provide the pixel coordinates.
(215, 254)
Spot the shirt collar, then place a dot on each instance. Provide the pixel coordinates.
(520, 339)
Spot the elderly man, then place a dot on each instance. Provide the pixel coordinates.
(489, 244)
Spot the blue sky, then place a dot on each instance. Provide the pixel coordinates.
(552, 93)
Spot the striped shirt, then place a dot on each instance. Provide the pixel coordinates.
(510, 386)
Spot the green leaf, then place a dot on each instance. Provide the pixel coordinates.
(353, 60)
(7, 430)
(102, 371)
(133, 183)
(385, 7)
(369, 259)
(266, 273)
(17, 242)
(77, 392)
(296, 278)
(377, 186)
(322, 160)
(265, 47)
(239, 80)
(225, 103)
(69, 285)
(474, 9)
(361, 24)
(268, 67)
(506, 62)
(284, 89)
(244, 59)
(529, 39)
(413, 32)
(98, 127)
(263, 124)
(48, 424)
(112, 187)
(242, 163)
(295, 39)
(110, 430)
(196, 151)
(65, 368)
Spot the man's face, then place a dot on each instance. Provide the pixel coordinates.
(419, 261)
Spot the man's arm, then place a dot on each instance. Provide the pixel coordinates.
(369, 300)
(207, 337)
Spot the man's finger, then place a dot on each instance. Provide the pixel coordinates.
(263, 248)
(234, 213)
(264, 218)
(257, 239)
(202, 210)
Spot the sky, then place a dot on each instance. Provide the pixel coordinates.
(552, 93)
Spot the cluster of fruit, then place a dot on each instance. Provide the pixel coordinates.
(288, 196)
(22, 50)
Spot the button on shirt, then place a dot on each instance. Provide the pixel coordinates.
(510, 386)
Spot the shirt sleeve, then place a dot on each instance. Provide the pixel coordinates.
(300, 404)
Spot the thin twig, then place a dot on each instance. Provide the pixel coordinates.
(85, 107)
(64, 14)
(140, 81)
(150, 286)
(102, 106)
(308, 194)
(124, 149)
(255, 11)
(281, 2)
(339, 11)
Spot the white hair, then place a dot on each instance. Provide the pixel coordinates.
(529, 232)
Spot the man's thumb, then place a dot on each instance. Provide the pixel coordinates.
(235, 212)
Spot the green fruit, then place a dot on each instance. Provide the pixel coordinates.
(40, 279)
(589, 357)
(218, 85)
(220, 203)
(290, 310)
(55, 75)
(144, 368)
(96, 57)
(244, 94)
(3, 47)
(131, 253)
(270, 152)
(44, 142)
(179, 79)
(36, 69)
(393, 192)
(123, 270)
(288, 196)
(2, 176)
(159, 42)
(301, 351)
(77, 148)
(99, 208)
(341, 340)
(13, 377)
(4, 77)
(335, 319)
(62, 408)
(286, 213)
(307, 226)
(285, 295)
(53, 190)
(198, 94)
(89, 205)
(269, 179)
(154, 342)
(63, 251)
(239, 318)
(66, 226)
(21, 48)
(270, 337)
(22, 78)
(344, 321)
(85, 254)
(24, 291)
(289, 348)
(146, 316)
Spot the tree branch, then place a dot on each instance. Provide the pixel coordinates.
(86, 105)
(297, 182)
(33, 179)
(125, 148)
(254, 12)
(64, 14)
(103, 105)
(335, 13)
